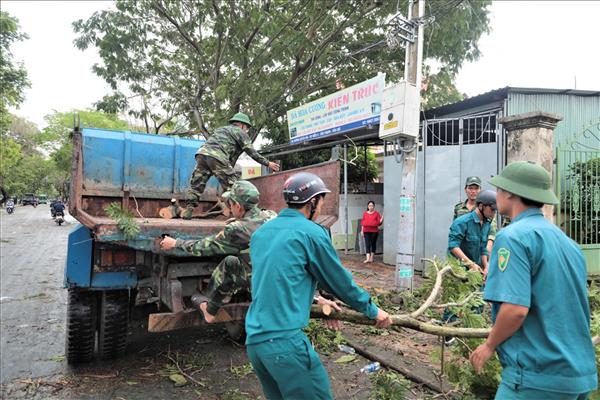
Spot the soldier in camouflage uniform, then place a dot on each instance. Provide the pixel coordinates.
(218, 155)
(472, 189)
(232, 274)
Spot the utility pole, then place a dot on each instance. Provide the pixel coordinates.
(405, 255)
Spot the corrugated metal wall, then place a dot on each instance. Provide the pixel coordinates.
(577, 111)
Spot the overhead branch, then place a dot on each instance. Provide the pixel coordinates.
(162, 11)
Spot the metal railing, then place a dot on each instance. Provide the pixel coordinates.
(577, 180)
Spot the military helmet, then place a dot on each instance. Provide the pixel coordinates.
(240, 117)
(473, 180)
(303, 186)
(243, 193)
(487, 198)
(528, 180)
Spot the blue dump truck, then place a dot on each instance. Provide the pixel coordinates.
(107, 273)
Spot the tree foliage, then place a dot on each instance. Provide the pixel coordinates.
(13, 76)
(193, 64)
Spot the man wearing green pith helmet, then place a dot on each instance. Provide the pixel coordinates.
(218, 155)
(537, 284)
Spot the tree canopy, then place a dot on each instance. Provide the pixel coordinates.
(13, 76)
(192, 64)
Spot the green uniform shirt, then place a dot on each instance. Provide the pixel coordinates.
(231, 240)
(462, 209)
(535, 265)
(468, 233)
(290, 254)
(227, 143)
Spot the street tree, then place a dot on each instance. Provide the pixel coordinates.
(201, 61)
(13, 75)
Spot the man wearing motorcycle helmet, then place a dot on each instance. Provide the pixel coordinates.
(290, 255)
(468, 236)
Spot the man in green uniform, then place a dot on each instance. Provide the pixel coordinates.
(218, 155)
(467, 239)
(290, 255)
(232, 274)
(472, 189)
(538, 289)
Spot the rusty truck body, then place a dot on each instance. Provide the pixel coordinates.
(108, 273)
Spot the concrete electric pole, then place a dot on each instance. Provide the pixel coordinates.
(405, 256)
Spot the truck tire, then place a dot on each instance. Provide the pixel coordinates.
(112, 323)
(236, 331)
(81, 326)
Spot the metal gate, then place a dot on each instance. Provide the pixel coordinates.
(452, 150)
(578, 188)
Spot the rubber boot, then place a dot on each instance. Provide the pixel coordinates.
(187, 213)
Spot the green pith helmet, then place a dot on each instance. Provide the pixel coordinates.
(243, 193)
(473, 180)
(528, 180)
(240, 117)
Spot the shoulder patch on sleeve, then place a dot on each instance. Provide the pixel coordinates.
(503, 258)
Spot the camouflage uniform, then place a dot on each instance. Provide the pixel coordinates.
(232, 274)
(217, 156)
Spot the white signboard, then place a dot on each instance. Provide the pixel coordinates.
(342, 111)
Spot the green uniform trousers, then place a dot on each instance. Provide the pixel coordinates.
(230, 277)
(289, 369)
(508, 391)
(205, 167)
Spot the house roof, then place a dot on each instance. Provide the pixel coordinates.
(500, 94)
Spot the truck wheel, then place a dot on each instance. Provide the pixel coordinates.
(81, 326)
(113, 319)
(236, 330)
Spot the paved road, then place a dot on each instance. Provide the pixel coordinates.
(32, 300)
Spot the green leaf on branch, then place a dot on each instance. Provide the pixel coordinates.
(124, 219)
(388, 385)
(348, 358)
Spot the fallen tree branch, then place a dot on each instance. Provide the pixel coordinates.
(403, 320)
(434, 292)
(457, 304)
(182, 372)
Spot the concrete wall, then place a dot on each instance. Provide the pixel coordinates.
(357, 204)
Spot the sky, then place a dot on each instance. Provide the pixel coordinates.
(532, 44)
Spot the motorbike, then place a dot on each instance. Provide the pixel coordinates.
(10, 208)
(59, 217)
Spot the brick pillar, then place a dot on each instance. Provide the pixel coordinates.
(530, 137)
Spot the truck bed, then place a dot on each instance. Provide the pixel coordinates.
(143, 172)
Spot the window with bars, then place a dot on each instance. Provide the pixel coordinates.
(464, 130)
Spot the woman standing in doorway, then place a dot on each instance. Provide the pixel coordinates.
(370, 229)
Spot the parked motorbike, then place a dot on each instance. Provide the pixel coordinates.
(59, 217)
(10, 208)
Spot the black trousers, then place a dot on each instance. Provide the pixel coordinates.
(371, 241)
